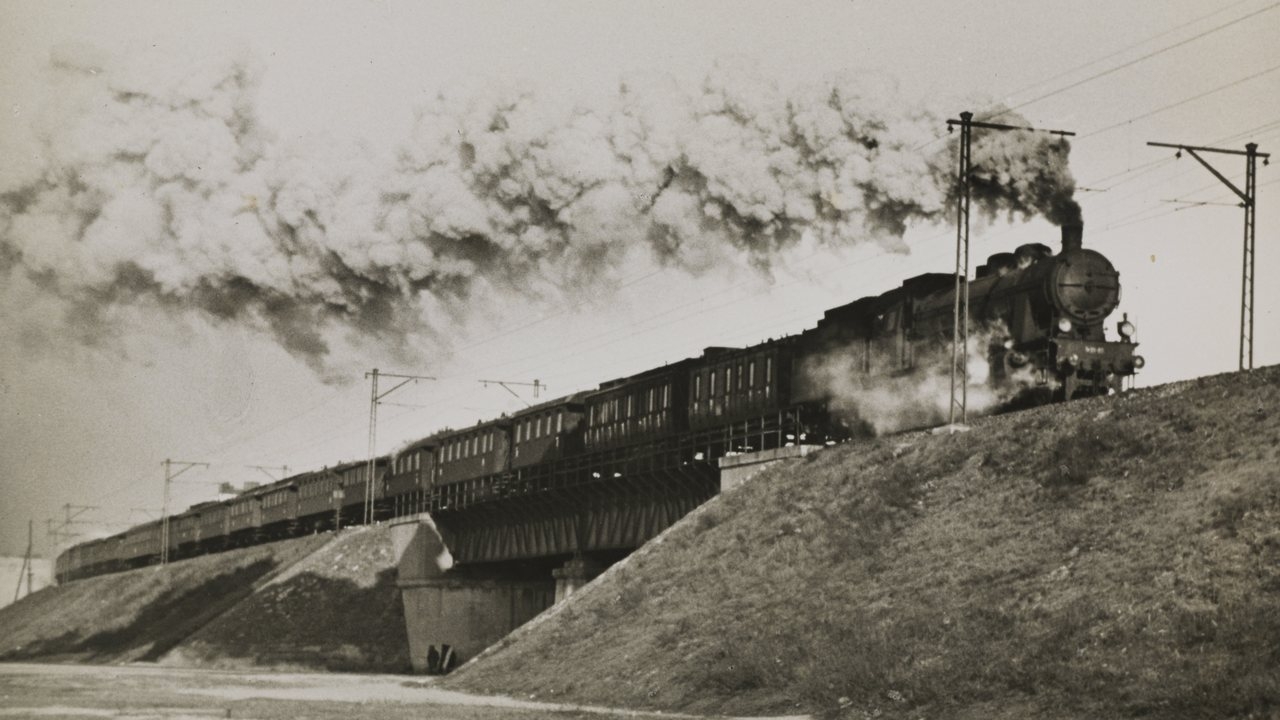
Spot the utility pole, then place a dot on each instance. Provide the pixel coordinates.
(960, 311)
(1248, 201)
(374, 398)
(506, 385)
(70, 513)
(26, 565)
(30, 547)
(169, 476)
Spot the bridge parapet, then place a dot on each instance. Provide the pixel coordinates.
(737, 469)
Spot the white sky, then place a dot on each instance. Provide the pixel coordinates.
(90, 427)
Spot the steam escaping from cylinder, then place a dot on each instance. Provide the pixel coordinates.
(881, 402)
(157, 187)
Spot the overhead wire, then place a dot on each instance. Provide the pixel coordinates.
(1183, 101)
(1121, 51)
(1143, 58)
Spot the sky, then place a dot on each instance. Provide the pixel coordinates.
(210, 136)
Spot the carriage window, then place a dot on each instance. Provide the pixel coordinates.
(697, 387)
(666, 396)
(560, 421)
(712, 387)
(629, 398)
(728, 380)
(739, 376)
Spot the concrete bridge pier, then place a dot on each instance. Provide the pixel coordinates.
(448, 612)
(575, 573)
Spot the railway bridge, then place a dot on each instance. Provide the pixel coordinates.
(522, 541)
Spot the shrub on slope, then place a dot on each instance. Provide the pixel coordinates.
(1111, 557)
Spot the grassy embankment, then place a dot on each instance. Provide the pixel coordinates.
(139, 614)
(1116, 557)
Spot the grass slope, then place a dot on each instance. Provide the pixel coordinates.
(339, 609)
(139, 614)
(1115, 557)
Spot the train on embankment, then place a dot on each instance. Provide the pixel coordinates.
(1038, 316)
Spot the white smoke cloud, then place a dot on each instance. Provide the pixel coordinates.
(156, 186)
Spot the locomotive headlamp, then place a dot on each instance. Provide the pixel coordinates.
(1064, 325)
(1126, 329)
(1073, 360)
(1008, 344)
(1139, 362)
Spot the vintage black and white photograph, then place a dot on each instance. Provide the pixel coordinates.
(522, 360)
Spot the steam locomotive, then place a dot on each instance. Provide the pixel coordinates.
(1038, 318)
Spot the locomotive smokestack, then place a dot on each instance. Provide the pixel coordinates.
(1072, 236)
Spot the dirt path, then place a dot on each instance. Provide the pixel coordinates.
(140, 692)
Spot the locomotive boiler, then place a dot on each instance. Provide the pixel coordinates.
(1036, 318)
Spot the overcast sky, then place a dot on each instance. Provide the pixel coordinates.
(95, 398)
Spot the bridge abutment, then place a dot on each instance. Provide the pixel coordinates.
(445, 611)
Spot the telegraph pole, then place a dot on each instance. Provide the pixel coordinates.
(1248, 201)
(960, 311)
(30, 547)
(169, 475)
(71, 512)
(374, 398)
(26, 565)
